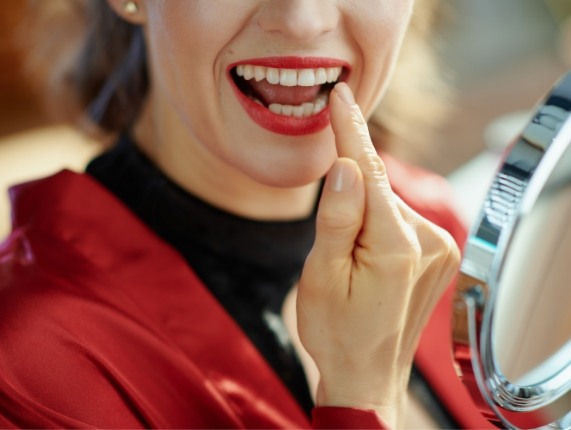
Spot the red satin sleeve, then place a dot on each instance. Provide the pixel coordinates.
(331, 417)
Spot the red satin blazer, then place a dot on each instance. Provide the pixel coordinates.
(102, 324)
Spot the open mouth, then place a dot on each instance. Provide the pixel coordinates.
(298, 93)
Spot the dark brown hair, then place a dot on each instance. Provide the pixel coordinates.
(97, 71)
(91, 63)
(111, 78)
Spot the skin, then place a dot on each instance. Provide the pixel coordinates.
(375, 262)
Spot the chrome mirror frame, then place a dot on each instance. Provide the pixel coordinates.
(523, 173)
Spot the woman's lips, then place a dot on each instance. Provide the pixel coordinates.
(290, 77)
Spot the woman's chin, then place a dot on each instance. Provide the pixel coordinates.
(283, 162)
(305, 166)
(298, 175)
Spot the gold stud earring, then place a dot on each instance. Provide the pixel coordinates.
(131, 8)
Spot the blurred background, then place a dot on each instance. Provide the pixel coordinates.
(500, 57)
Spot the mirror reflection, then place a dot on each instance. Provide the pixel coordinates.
(512, 326)
(532, 330)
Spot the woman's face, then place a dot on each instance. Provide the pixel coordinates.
(246, 82)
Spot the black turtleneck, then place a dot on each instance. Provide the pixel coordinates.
(248, 265)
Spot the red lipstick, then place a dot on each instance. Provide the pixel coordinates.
(293, 62)
(283, 124)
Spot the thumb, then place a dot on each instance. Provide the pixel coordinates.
(340, 213)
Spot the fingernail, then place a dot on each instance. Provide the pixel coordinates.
(342, 177)
(345, 93)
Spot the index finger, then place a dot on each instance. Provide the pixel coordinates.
(353, 141)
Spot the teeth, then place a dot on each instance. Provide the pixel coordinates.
(304, 110)
(307, 109)
(289, 77)
(332, 74)
(287, 110)
(259, 73)
(275, 108)
(248, 72)
(272, 75)
(321, 75)
(298, 111)
(306, 77)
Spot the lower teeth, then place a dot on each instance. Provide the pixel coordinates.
(300, 111)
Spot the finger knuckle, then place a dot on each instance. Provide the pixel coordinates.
(358, 120)
(445, 256)
(371, 163)
(453, 255)
(405, 259)
(336, 220)
(448, 248)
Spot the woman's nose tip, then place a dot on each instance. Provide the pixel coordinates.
(299, 19)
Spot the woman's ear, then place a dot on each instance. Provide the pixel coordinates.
(132, 11)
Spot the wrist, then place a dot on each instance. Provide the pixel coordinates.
(384, 396)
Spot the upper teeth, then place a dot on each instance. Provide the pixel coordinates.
(289, 77)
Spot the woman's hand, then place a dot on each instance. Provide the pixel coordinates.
(375, 272)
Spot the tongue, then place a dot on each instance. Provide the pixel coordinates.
(294, 96)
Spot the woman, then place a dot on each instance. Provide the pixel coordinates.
(150, 291)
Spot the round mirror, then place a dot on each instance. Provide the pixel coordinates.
(512, 308)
